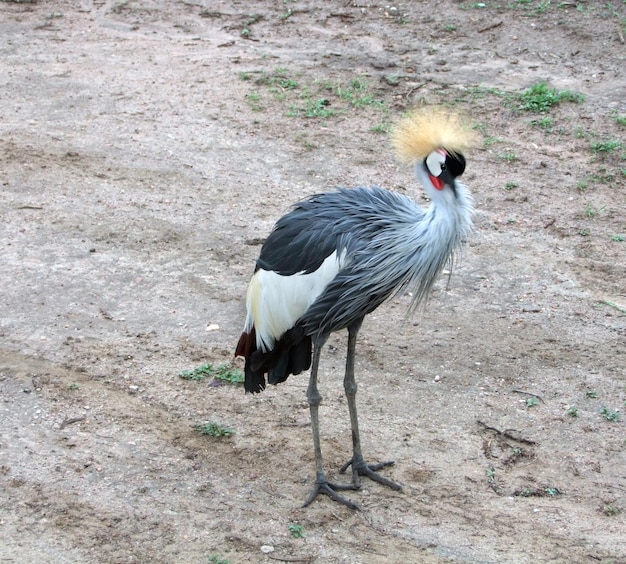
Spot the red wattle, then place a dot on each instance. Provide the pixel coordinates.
(437, 182)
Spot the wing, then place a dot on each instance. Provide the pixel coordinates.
(304, 238)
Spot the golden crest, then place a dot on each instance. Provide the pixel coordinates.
(422, 131)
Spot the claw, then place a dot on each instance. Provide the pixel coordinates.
(323, 486)
(361, 468)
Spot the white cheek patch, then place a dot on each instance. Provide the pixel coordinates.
(434, 162)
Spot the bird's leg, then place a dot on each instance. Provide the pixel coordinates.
(322, 485)
(359, 466)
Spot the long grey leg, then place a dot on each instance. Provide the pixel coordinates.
(322, 485)
(314, 398)
(359, 466)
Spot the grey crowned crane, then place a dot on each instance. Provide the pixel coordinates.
(336, 256)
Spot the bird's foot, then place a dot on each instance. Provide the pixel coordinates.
(323, 486)
(362, 468)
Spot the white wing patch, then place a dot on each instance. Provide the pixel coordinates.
(276, 302)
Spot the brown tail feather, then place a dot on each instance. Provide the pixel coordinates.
(247, 344)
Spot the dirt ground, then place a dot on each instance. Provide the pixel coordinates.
(146, 149)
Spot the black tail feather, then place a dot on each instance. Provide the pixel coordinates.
(292, 359)
(300, 356)
(291, 355)
(254, 381)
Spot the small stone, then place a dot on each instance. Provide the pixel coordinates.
(267, 548)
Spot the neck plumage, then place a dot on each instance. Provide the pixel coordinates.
(452, 214)
(437, 237)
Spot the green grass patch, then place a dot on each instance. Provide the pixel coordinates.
(540, 8)
(318, 108)
(606, 146)
(381, 128)
(590, 211)
(602, 175)
(531, 401)
(580, 132)
(315, 99)
(279, 77)
(609, 414)
(618, 307)
(508, 156)
(214, 429)
(546, 123)
(358, 94)
(478, 92)
(546, 491)
(539, 98)
(297, 531)
(492, 140)
(528, 7)
(224, 372)
(611, 510)
(254, 101)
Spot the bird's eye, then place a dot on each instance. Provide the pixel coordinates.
(443, 166)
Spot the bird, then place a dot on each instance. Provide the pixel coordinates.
(336, 256)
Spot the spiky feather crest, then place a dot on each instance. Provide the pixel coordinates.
(422, 131)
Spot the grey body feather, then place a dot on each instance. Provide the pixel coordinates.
(388, 245)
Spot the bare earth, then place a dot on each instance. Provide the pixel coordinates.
(146, 149)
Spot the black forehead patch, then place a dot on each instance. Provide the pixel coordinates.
(455, 163)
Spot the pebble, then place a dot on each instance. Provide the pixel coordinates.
(267, 548)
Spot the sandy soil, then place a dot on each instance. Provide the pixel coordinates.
(146, 149)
